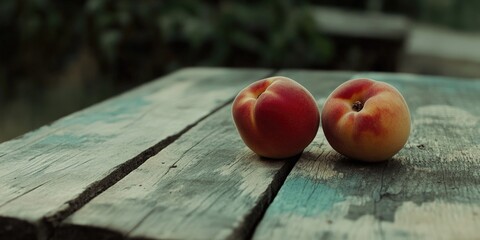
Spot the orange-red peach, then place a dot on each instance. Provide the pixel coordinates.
(276, 117)
(366, 120)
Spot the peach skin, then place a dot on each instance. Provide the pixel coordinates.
(366, 120)
(276, 117)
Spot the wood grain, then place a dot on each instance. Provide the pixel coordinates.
(205, 185)
(429, 190)
(49, 173)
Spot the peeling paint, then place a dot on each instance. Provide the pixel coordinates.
(304, 197)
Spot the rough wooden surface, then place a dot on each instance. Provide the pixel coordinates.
(205, 185)
(49, 173)
(430, 190)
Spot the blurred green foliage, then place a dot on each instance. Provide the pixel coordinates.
(136, 41)
(60, 56)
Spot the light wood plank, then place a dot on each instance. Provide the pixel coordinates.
(49, 173)
(361, 24)
(205, 185)
(430, 190)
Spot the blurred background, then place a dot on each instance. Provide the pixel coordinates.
(57, 57)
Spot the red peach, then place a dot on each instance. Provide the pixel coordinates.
(276, 117)
(366, 120)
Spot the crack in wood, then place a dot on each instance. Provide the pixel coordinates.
(51, 222)
(256, 214)
(122, 170)
(382, 195)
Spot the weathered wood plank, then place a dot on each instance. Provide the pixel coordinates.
(370, 25)
(49, 173)
(205, 185)
(430, 190)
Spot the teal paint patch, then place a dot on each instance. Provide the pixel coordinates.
(62, 139)
(305, 197)
(113, 111)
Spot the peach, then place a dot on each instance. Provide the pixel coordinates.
(276, 117)
(366, 120)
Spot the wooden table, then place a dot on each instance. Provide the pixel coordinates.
(164, 161)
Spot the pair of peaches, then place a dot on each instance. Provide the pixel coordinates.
(362, 119)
